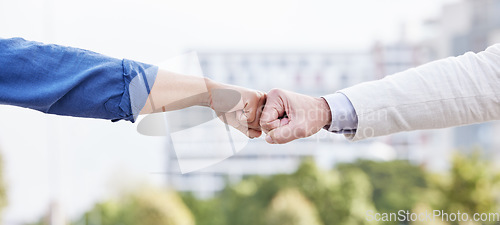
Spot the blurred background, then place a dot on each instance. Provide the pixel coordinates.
(62, 170)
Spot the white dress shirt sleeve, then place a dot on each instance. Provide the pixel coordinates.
(344, 118)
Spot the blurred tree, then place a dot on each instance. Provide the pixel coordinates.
(357, 190)
(397, 185)
(145, 207)
(423, 208)
(339, 199)
(290, 207)
(244, 203)
(3, 191)
(471, 186)
(206, 211)
(314, 196)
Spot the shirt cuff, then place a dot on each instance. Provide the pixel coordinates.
(141, 78)
(344, 118)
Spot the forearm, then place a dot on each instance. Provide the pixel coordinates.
(70, 81)
(172, 91)
(237, 106)
(448, 92)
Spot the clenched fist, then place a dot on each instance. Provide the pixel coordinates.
(288, 116)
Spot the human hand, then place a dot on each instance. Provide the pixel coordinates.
(288, 116)
(239, 107)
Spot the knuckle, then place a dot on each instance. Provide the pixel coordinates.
(262, 95)
(265, 117)
(275, 91)
(267, 127)
(250, 116)
(254, 124)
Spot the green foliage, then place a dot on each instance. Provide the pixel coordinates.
(397, 185)
(338, 198)
(3, 190)
(145, 207)
(290, 207)
(471, 186)
(317, 197)
(207, 212)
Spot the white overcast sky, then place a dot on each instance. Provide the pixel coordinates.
(152, 30)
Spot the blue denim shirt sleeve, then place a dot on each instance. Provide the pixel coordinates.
(73, 82)
(344, 118)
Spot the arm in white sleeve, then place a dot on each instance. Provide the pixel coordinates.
(449, 92)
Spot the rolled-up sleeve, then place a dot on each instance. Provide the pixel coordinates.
(73, 82)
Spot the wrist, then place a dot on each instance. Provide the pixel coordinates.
(324, 112)
(206, 99)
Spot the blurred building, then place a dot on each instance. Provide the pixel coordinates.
(424, 147)
(398, 56)
(311, 73)
(468, 25)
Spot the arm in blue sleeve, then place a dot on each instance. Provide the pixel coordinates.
(344, 118)
(74, 82)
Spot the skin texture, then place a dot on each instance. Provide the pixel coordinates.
(245, 115)
(288, 116)
(237, 106)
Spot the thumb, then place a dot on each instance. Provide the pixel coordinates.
(270, 117)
